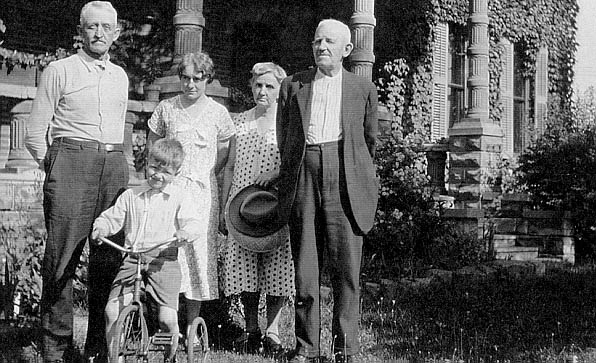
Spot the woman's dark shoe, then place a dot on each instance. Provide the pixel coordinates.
(271, 348)
(248, 342)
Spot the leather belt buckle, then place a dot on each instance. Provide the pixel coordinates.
(109, 147)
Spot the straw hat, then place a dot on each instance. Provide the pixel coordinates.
(253, 219)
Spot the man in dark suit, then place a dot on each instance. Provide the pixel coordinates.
(326, 130)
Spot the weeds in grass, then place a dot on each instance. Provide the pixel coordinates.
(547, 318)
(500, 319)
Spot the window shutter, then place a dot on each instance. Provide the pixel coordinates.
(541, 91)
(440, 77)
(506, 84)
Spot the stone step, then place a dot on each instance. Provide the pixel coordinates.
(504, 225)
(551, 259)
(517, 253)
(504, 240)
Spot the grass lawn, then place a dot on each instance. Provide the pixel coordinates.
(550, 318)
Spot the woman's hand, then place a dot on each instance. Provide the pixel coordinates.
(264, 179)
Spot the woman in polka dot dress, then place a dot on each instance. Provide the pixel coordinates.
(254, 159)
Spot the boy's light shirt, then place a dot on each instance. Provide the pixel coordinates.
(151, 216)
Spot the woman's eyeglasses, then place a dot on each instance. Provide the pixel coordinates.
(195, 79)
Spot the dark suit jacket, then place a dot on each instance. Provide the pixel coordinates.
(359, 127)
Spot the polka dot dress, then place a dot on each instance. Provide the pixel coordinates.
(271, 273)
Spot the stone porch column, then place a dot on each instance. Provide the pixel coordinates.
(362, 24)
(189, 23)
(18, 157)
(474, 141)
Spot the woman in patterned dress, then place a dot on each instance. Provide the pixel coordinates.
(254, 159)
(205, 130)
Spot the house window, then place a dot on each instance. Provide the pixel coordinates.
(457, 63)
(522, 102)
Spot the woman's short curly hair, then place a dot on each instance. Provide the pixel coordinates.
(267, 67)
(198, 62)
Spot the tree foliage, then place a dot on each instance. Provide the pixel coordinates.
(558, 170)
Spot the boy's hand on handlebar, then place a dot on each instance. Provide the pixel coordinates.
(182, 237)
(97, 233)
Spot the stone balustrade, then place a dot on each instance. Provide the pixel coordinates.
(517, 232)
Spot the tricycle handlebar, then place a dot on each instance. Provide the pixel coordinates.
(130, 251)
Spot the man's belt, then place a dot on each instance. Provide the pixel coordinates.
(89, 144)
(325, 145)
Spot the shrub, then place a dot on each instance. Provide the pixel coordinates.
(558, 171)
(502, 176)
(409, 234)
(22, 240)
(452, 247)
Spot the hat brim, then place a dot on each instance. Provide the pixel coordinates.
(244, 231)
(260, 244)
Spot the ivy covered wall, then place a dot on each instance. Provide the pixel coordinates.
(404, 31)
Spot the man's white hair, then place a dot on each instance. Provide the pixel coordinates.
(344, 29)
(97, 5)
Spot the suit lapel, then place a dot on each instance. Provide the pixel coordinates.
(304, 96)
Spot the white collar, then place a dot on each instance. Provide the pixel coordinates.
(321, 75)
(89, 61)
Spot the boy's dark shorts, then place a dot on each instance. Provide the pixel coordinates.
(161, 273)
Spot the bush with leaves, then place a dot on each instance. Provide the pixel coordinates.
(145, 50)
(409, 234)
(502, 176)
(22, 239)
(559, 171)
(22, 242)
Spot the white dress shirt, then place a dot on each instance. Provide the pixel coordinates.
(325, 109)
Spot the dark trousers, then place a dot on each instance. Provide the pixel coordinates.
(319, 224)
(80, 183)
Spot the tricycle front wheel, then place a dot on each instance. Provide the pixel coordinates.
(130, 337)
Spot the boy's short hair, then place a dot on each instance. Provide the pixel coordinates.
(167, 152)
